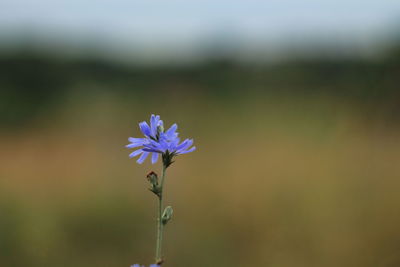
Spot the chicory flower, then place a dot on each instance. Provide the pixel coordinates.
(157, 141)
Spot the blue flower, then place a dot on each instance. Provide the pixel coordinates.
(156, 142)
(151, 265)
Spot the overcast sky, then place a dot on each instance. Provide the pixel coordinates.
(163, 24)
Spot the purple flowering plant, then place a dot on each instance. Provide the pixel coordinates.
(158, 142)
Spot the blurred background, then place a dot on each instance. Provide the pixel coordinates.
(293, 105)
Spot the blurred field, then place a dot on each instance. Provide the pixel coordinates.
(288, 172)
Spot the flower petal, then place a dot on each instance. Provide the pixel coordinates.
(154, 146)
(135, 153)
(188, 151)
(144, 127)
(151, 150)
(163, 145)
(154, 158)
(171, 130)
(136, 140)
(184, 145)
(142, 157)
(153, 125)
(133, 145)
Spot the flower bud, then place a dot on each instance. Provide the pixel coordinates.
(153, 178)
(167, 215)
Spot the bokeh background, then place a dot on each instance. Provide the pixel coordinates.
(294, 107)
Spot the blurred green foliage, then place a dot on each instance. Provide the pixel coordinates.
(32, 82)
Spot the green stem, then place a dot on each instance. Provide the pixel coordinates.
(160, 226)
